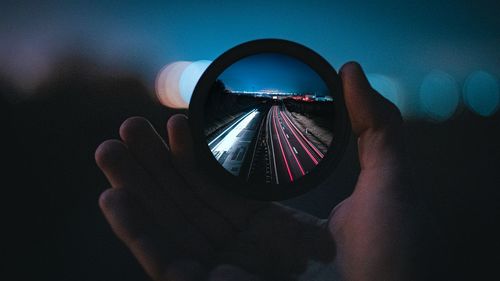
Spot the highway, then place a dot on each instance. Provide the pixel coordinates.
(266, 137)
(231, 145)
(292, 154)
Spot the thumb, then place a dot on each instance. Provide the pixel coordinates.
(374, 120)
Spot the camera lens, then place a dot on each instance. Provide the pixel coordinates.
(270, 118)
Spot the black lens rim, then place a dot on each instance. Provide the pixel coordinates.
(268, 192)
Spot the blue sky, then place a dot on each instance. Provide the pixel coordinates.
(270, 71)
(401, 40)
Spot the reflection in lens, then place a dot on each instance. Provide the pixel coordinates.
(269, 119)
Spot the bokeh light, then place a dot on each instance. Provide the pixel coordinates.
(439, 95)
(190, 77)
(481, 93)
(167, 85)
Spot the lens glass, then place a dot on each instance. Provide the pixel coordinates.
(269, 119)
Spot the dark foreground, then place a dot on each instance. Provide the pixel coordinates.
(54, 230)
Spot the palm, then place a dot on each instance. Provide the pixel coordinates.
(173, 217)
(267, 239)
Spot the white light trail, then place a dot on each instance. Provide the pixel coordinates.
(229, 140)
(230, 127)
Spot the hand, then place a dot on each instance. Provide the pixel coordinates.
(375, 227)
(181, 227)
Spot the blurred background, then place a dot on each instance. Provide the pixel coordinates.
(72, 71)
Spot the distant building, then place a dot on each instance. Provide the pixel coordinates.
(324, 98)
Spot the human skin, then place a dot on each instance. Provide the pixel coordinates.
(181, 227)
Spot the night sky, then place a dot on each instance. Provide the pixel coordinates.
(400, 42)
(273, 72)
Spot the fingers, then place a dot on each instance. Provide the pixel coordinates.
(148, 148)
(140, 214)
(123, 204)
(375, 120)
(121, 212)
(182, 148)
(152, 153)
(120, 167)
(367, 109)
(181, 142)
(129, 222)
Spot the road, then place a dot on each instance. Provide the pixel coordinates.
(265, 143)
(231, 145)
(292, 154)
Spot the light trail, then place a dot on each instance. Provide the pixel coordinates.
(301, 143)
(282, 151)
(308, 142)
(230, 127)
(228, 140)
(270, 139)
(290, 147)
